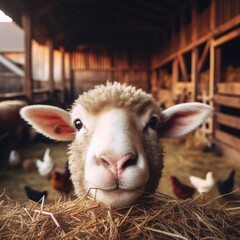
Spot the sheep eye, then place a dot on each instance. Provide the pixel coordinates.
(153, 123)
(78, 124)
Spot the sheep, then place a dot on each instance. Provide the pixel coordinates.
(115, 154)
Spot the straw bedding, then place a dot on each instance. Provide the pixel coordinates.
(152, 217)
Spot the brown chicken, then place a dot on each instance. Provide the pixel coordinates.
(62, 181)
(181, 190)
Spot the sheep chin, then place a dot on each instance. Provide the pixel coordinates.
(116, 198)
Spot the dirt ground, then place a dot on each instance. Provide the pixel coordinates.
(179, 161)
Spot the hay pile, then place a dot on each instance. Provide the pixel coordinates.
(153, 217)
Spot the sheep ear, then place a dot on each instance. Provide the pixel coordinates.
(182, 119)
(51, 121)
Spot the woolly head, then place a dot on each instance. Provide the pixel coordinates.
(115, 153)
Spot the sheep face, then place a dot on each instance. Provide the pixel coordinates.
(114, 146)
(115, 154)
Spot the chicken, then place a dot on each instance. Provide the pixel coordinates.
(181, 190)
(35, 195)
(226, 186)
(203, 185)
(45, 167)
(14, 158)
(29, 165)
(62, 181)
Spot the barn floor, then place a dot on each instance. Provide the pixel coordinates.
(179, 161)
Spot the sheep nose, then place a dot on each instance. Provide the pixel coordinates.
(117, 164)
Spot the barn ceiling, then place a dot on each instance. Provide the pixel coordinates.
(71, 22)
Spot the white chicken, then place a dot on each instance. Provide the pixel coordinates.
(45, 167)
(203, 185)
(14, 158)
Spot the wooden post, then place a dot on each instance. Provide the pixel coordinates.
(194, 73)
(51, 66)
(183, 68)
(28, 81)
(215, 70)
(63, 79)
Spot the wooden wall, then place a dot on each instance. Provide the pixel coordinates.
(198, 60)
(95, 64)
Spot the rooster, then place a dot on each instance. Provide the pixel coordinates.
(181, 190)
(45, 167)
(35, 195)
(203, 185)
(226, 186)
(62, 181)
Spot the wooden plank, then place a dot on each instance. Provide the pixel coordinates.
(228, 139)
(51, 66)
(234, 22)
(27, 80)
(63, 78)
(194, 73)
(182, 29)
(225, 38)
(231, 155)
(212, 14)
(228, 120)
(232, 88)
(72, 83)
(183, 68)
(227, 101)
(194, 20)
(203, 57)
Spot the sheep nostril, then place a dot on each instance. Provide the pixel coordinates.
(130, 162)
(104, 162)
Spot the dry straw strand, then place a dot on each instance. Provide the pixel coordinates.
(153, 217)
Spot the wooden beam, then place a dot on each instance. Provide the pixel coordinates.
(183, 68)
(228, 139)
(27, 80)
(136, 22)
(156, 7)
(232, 88)
(228, 120)
(217, 31)
(139, 12)
(234, 22)
(51, 66)
(203, 56)
(45, 8)
(227, 101)
(227, 37)
(194, 73)
(189, 47)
